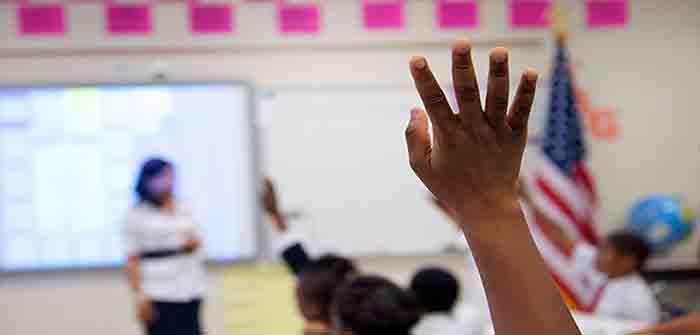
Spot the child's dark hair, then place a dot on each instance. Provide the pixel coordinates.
(151, 168)
(372, 305)
(631, 245)
(436, 289)
(320, 279)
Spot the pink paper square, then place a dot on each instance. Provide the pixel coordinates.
(383, 14)
(530, 13)
(128, 19)
(610, 13)
(457, 13)
(298, 18)
(211, 18)
(41, 20)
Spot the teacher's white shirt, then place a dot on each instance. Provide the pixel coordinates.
(177, 278)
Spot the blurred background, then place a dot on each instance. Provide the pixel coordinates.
(314, 94)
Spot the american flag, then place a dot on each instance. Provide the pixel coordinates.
(560, 185)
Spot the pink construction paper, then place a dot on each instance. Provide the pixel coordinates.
(41, 19)
(211, 18)
(607, 13)
(298, 18)
(128, 18)
(530, 13)
(457, 13)
(386, 14)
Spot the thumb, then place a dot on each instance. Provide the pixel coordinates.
(418, 140)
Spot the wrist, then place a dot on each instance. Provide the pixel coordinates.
(488, 214)
(140, 297)
(473, 207)
(279, 221)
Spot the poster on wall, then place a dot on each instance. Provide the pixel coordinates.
(457, 13)
(41, 19)
(211, 18)
(530, 13)
(298, 18)
(128, 18)
(383, 14)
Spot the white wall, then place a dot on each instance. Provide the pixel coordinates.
(647, 71)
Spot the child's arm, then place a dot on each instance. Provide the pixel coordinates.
(271, 206)
(293, 254)
(472, 163)
(689, 324)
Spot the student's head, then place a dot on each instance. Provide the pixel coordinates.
(436, 289)
(155, 182)
(371, 305)
(318, 283)
(622, 253)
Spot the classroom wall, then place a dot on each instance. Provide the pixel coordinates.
(646, 71)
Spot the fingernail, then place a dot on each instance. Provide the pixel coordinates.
(499, 54)
(530, 74)
(461, 48)
(419, 63)
(499, 57)
(414, 113)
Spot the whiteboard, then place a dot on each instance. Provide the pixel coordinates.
(339, 157)
(69, 157)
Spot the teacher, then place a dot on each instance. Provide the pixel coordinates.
(164, 267)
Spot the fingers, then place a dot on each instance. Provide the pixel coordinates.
(465, 83)
(418, 140)
(498, 85)
(520, 110)
(430, 92)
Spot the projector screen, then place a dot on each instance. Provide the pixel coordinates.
(69, 157)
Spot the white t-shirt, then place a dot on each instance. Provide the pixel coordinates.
(624, 298)
(177, 278)
(629, 298)
(437, 323)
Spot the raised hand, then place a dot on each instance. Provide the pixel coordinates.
(472, 164)
(271, 205)
(474, 157)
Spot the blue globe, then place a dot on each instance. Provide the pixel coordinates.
(661, 219)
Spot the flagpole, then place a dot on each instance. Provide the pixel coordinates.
(559, 15)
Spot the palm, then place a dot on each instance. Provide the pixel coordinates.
(473, 155)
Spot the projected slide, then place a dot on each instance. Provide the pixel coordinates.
(69, 158)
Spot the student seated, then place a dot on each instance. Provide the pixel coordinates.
(316, 287)
(616, 265)
(317, 279)
(685, 325)
(373, 305)
(437, 291)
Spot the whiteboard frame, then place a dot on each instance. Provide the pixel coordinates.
(255, 156)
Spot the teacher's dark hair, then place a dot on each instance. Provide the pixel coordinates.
(150, 168)
(372, 305)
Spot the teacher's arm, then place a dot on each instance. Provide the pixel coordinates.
(132, 269)
(144, 307)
